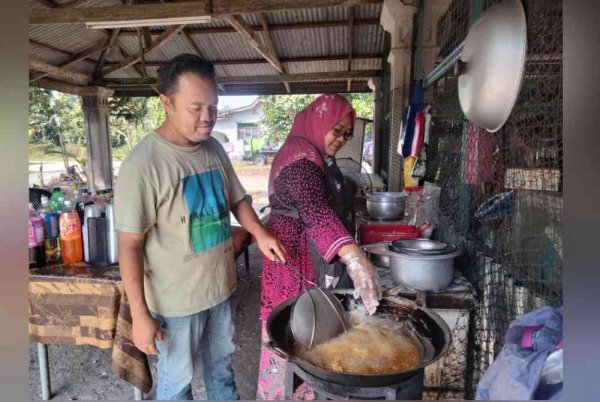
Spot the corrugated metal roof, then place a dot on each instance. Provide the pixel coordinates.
(226, 46)
(289, 43)
(73, 38)
(245, 70)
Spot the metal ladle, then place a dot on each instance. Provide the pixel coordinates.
(316, 316)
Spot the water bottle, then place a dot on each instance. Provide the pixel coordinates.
(51, 243)
(83, 198)
(111, 234)
(54, 199)
(71, 242)
(36, 239)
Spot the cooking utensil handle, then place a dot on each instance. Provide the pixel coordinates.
(277, 350)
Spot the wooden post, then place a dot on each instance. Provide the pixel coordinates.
(99, 154)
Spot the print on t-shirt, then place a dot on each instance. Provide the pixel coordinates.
(209, 216)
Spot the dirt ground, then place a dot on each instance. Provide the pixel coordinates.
(84, 373)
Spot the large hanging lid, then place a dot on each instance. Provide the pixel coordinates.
(494, 59)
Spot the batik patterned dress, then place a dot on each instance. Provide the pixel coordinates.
(300, 186)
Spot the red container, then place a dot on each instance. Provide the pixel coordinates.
(376, 233)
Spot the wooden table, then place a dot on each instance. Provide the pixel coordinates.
(84, 305)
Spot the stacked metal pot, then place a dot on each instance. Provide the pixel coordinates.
(421, 264)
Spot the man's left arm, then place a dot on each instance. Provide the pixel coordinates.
(268, 244)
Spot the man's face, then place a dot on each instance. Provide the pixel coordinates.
(192, 109)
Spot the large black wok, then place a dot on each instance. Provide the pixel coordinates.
(431, 331)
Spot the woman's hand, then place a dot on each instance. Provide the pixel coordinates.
(270, 246)
(364, 277)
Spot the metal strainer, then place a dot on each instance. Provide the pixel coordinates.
(317, 316)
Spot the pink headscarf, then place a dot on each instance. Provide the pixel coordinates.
(306, 139)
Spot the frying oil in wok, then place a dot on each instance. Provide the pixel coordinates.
(370, 346)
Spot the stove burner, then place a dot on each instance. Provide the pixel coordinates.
(410, 389)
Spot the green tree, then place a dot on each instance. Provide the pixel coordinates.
(279, 111)
(42, 129)
(363, 103)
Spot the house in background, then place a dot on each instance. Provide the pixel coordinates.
(240, 130)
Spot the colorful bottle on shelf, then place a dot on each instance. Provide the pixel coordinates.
(51, 243)
(71, 243)
(54, 203)
(36, 239)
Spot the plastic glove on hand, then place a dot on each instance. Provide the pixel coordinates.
(364, 277)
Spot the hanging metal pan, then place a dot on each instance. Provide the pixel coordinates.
(493, 61)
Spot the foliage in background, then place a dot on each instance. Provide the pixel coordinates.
(132, 118)
(279, 111)
(51, 112)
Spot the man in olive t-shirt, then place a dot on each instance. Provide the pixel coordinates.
(172, 201)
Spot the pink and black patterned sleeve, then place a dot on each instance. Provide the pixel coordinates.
(302, 185)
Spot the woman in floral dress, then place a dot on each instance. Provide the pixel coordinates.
(306, 190)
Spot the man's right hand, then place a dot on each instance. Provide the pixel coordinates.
(145, 330)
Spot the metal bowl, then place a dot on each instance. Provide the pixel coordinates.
(386, 205)
(424, 245)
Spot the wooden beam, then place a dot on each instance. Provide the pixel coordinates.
(230, 7)
(247, 34)
(350, 42)
(69, 3)
(147, 37)
(258, 79)
(126, 55)
(74, 59)
(47, 3)
(191, 42)
(169, 34)
(272, 27)
(128, 12)
(114, 34)
(112, 39)
(198, 8)
(332, 75)
(142, 44)
(263, 89)
(270, 44)
(49, 47)
(283, 60)
(59, 72)
(59, 86)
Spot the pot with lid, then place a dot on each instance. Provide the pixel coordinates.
(421, 264)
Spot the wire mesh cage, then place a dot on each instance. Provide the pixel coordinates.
(501, 198)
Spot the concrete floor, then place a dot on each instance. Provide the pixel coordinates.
(84, 373)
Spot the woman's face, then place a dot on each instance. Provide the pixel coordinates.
(338, 136)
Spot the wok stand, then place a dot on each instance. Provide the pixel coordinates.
(409, 389)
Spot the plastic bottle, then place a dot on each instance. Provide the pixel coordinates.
(71, 243)
(83, 198)
(36, 239)
(54, 202)
(51, 243)
(111, 234)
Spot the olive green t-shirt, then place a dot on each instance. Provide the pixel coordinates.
(180, 198)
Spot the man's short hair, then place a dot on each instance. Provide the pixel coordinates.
(168, 73)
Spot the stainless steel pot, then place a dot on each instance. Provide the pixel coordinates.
(418, 271)
(386, 205)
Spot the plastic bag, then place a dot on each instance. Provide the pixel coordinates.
(517, 371)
